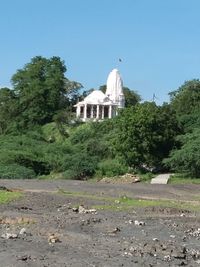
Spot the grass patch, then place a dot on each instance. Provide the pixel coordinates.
(146, 177)
(183, 179)
(6, 197)
(141, 203)
(86, 195)
(126, 203)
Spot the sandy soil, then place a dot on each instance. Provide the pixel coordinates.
(44, 228)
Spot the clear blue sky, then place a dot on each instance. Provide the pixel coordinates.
(158, 40)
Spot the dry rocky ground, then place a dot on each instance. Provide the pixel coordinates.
(47, 227)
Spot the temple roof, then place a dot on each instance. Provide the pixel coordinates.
(95, 98)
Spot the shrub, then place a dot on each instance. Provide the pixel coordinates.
(15, 171)
(80, 166)
(111, 167)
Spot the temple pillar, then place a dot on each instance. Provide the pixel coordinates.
(110, 112)
(97, 116)
(102, 112)
(85, 112)
(78, 111)
(91, 112)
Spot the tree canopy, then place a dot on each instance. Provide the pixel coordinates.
(40, 90)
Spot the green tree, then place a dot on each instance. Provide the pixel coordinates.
(8, 108)
(187, 158)
(186, 103)
(146, 134)
(42, 90)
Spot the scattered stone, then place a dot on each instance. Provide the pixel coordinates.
(126, 178)
(81, 209)
(167, 258)
(24, 258)
(24, 208)
(22, 231)
(9, 236)
(193, 232)
(91, 220)
(139, 223)
(114, 231)
(75, 209)
(155, 239)
(16, 220)
(53, 239)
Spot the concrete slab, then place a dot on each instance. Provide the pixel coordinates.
(161, 179)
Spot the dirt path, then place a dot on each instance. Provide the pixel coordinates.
(48, 229)
(138, 190)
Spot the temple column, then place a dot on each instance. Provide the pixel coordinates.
(85, 112)
(78, 111)
(110, 112)
(91, 112)
(97, 116)
(102, 112)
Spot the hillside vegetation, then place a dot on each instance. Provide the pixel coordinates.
(40, 137)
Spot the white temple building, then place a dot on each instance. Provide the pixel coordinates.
(97, 105)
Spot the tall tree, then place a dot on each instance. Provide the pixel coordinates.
(42, 90)
(8, 108)
(186, 103)
(146, 134)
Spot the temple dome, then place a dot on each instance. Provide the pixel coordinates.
(114, 86)
(96, 97)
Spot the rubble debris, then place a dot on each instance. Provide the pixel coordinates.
(24, 258)
(126, 178)
(16, 220)
(114, 231)
(24, 208)
(139, 223)
(83, 210)
(53, 238)
(9, 236)
(22, 231)
(193, 232)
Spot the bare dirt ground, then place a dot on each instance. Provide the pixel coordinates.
(46, 228)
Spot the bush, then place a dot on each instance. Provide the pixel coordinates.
(80, 166)
(111, 167)
(15, 171)
(186, 159)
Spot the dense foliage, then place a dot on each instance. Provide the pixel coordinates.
(146, 134)
(40, 137)
(186, 103)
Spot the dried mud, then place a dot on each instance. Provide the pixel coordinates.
(45, 228)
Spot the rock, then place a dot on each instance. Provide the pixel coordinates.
(22, 231)
(24, 258)
(114, 231)
(81, 209)
(167, 258)
(139, 223)
(75, 209)
(53, 239)
(155, 239)
(9, 236)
